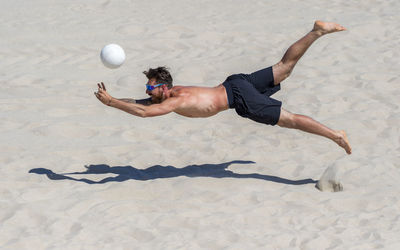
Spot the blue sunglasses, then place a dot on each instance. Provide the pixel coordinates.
(152, 87)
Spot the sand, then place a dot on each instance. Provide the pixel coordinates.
(79, 175)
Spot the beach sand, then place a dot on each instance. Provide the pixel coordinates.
(79, 175)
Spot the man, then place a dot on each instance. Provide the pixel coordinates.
(248, 94)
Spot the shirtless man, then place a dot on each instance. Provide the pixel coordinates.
(248, 94)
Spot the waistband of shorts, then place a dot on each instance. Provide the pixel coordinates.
(229, 93)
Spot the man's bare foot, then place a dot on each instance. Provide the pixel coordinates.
(322, 28)
(343, 141)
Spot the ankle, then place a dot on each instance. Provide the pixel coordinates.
(338, 136)
(316, 33)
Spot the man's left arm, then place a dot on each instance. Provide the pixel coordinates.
(146, 101)
(140, 110)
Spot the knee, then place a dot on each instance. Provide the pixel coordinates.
(287, 68)
(287, 119)
(291, 121)
(283, 70)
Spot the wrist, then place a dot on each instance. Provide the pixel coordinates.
(109, 101)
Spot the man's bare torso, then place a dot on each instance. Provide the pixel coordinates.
(200, 101)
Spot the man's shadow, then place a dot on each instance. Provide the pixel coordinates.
(125, 173)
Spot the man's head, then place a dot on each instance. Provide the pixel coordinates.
(160, 80)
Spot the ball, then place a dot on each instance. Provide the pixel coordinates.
(112, 56)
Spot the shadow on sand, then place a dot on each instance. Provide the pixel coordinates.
(125, 173)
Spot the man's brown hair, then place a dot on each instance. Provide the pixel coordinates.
(161, 74)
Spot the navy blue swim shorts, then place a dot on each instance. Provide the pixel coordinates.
(249, 95)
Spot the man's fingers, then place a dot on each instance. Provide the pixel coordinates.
(101, 86)
(101, 94)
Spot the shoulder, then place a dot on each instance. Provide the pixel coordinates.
(178, 88)
(180, 91)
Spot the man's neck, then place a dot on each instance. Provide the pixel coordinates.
(166, 94)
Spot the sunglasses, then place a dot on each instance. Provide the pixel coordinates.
(152, 87)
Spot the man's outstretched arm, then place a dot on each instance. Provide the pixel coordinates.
(140, 110)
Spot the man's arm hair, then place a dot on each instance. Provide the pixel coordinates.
(141, 110)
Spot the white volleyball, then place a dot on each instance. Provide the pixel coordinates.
(112, 56)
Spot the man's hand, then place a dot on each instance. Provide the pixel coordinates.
(102, 94)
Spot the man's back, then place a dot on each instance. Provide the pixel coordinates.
(199, 101)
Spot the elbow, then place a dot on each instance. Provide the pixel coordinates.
(142, 115)
(138, 114)
(145, 114)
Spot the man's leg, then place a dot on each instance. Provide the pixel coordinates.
(307, 124)
(284, 67)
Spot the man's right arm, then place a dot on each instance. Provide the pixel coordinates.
(137, 109)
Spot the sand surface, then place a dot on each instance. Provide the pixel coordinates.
(79, 175)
